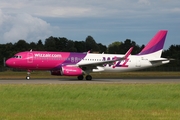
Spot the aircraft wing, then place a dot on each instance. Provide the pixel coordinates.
(101, 63)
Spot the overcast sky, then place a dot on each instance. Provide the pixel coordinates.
(106, 21)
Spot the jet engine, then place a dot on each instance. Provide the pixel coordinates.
(68, 71)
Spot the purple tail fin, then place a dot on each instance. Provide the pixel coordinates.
(155, 44)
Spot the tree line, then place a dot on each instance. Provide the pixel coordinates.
(63, 44)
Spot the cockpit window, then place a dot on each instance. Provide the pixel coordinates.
(17, 56)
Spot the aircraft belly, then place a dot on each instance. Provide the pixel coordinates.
(117, 69)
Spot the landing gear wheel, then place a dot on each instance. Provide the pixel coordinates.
(80, 77)
(27, 77)
(88, 77)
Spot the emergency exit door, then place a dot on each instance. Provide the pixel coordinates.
(29, 57)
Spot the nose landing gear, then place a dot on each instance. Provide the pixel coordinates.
(28, 75)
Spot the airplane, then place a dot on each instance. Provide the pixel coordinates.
(80, 64)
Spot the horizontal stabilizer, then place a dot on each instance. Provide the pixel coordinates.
(160, 59)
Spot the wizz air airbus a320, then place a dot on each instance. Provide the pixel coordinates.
(80, 64)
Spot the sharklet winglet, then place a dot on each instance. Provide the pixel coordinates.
(128, 53)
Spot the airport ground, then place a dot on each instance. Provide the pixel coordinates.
(120, 75)
(150, 95)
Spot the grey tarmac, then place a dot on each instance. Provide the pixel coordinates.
(94, 81)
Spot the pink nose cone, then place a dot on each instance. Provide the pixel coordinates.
(9, 62)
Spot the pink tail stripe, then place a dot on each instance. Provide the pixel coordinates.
(156, 43)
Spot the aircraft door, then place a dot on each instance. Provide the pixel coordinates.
(29, 57)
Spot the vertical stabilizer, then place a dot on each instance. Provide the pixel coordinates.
(155, 45)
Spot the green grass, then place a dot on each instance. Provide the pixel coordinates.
(136, 74)
(90, 101)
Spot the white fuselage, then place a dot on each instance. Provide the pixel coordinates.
(133, 62)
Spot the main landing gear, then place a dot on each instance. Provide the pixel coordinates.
(88, 77)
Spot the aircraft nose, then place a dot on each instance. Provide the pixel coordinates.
(9, 62)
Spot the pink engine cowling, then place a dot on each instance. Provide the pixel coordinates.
(68, 71)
